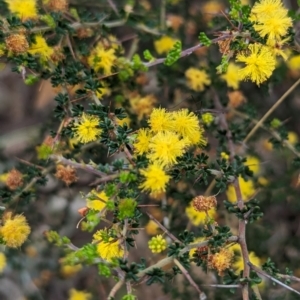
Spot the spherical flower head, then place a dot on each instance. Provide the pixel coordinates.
(197, 79)
(97, 200)
(87, 130)
(238, 265)
(221, 261)
(199, 217)
(292, 137)
(274, 26)
(265, 8)
(156, 178)
(57, 5)
(41, 48)
(157, 244)
(203, 203)
(108, 250)
(14, 179)
(2, 261)
(66, 173)
(232, 76)
(102, 59)
(141, 145)
(152, 228)
(294, 63)
(15, 230)
(186, 124)
(164, 44)
(142, 106)
(79, 295)
(165, 147)
(24, 9)
(260, 63)
(70, 270)
(224, 155)
(207, 118)
(236, 99)
(247, 190)
(17, 43)
(160, 120)
(253, 163)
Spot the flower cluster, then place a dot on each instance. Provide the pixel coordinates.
(14, 230)
(157, 244)
(87, 128)
(221, 261)
(167, 139)
(107, 248)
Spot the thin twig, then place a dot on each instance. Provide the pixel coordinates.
(269, 112)
(263, 273)
(115, 289)
(184, 271)
(85, 167)
(163, 228)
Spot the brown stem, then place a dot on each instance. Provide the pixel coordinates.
(240, 202)
(163, 228)
(87, 168)
(184, 271)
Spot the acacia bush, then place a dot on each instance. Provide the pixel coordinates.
(170, 158)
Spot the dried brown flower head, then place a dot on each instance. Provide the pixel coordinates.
(83, 211)
(17, 43)
(57, 54)
(57, 5)
(202, 203)
(83, 33)
(66, 173)
(236, 98)
(220, 261)
(14, 179)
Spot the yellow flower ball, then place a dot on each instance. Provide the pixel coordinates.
(15, 230)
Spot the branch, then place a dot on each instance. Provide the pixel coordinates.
(202, 295)
(170, 259)
(263, 273)
(85, 167)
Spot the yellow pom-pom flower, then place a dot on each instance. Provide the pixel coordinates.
(238, 265)
(143, 138)
(2, 261)
(197, 79)
(41, 48)
(156, 179)
(294, 63)
(97, 200)
(108, 250)
(164, 44)
(274, 26)
(142, 106)
(207, 118)
(24, 9)
(165, 147)
(15, 230)
(253, 163)
(157, 244)
(102, 59)
(247, 190)
(199, 217)
(160, 120)
(79, 295)
(186, 124)
(86, 130)
(260, 63)
(232, 76)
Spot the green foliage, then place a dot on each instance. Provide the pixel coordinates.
(174, 54)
